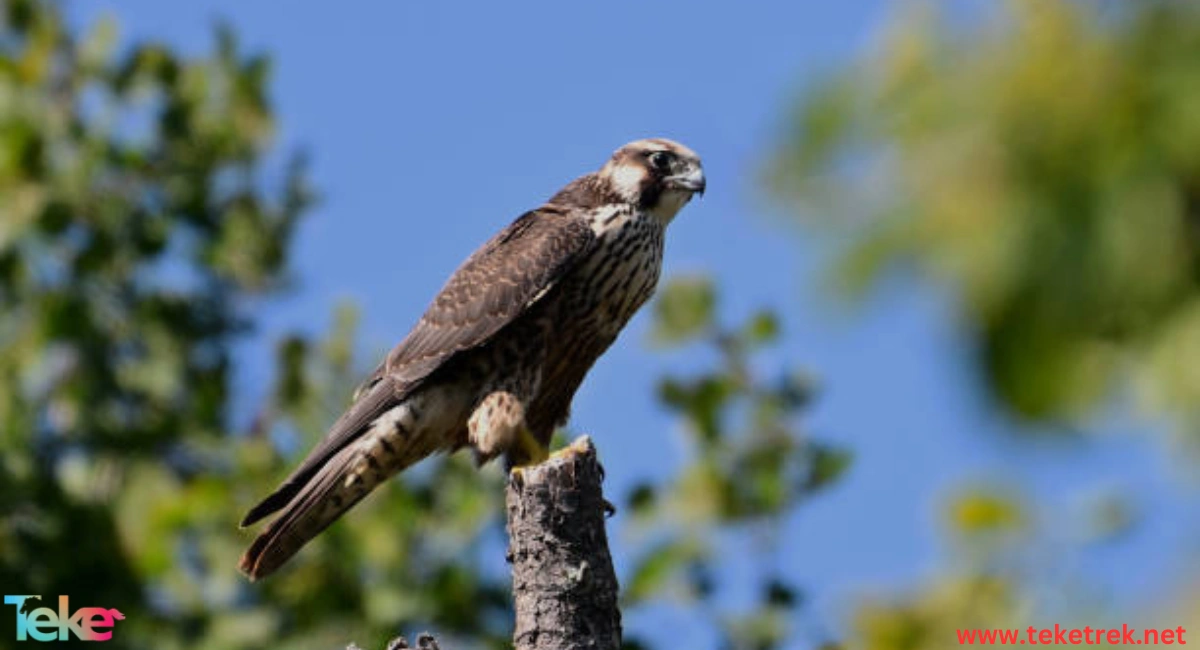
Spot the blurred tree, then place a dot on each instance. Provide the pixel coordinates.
(134, 231)
(139, 222)
(1044, 166)
(749, 466)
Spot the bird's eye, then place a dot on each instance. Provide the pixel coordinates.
(661, 160)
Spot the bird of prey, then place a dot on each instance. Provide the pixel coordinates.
(497, 357)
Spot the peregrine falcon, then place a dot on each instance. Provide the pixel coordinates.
(497, 357)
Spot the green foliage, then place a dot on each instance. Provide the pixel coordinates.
(1013, 564)
(1043, 166)
(684, 309)
(134, 229)
(979, 513)
(749, 467)
(137, 229)
(931, 618)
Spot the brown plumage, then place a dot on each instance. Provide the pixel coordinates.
(497, 357)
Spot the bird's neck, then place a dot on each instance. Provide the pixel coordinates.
(608, 219)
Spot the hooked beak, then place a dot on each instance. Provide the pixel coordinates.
(691, 181)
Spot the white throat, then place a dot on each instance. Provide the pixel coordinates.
(669, 205)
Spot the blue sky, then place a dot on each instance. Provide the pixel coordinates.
(433, 125)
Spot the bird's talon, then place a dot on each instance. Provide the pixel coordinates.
(533, 451)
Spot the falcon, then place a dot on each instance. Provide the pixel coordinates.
(495, 360)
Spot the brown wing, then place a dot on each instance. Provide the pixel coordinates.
(491, 288)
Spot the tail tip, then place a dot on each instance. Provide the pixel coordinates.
(256, 513)
(276, 500)
(252, 563)
(246, 566)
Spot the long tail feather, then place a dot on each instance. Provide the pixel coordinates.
(370, 403)
(333, 491)
(311, 501)
(274, 501)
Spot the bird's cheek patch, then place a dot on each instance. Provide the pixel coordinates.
(627, 181)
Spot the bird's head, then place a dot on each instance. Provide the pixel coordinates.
(658, 175)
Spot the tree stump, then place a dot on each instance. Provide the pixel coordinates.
(564, 586)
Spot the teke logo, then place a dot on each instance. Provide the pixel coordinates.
(43, 624)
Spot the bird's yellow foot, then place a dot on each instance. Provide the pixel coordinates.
(528, 451)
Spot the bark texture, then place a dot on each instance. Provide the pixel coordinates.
(424, 642)
(564, 587)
